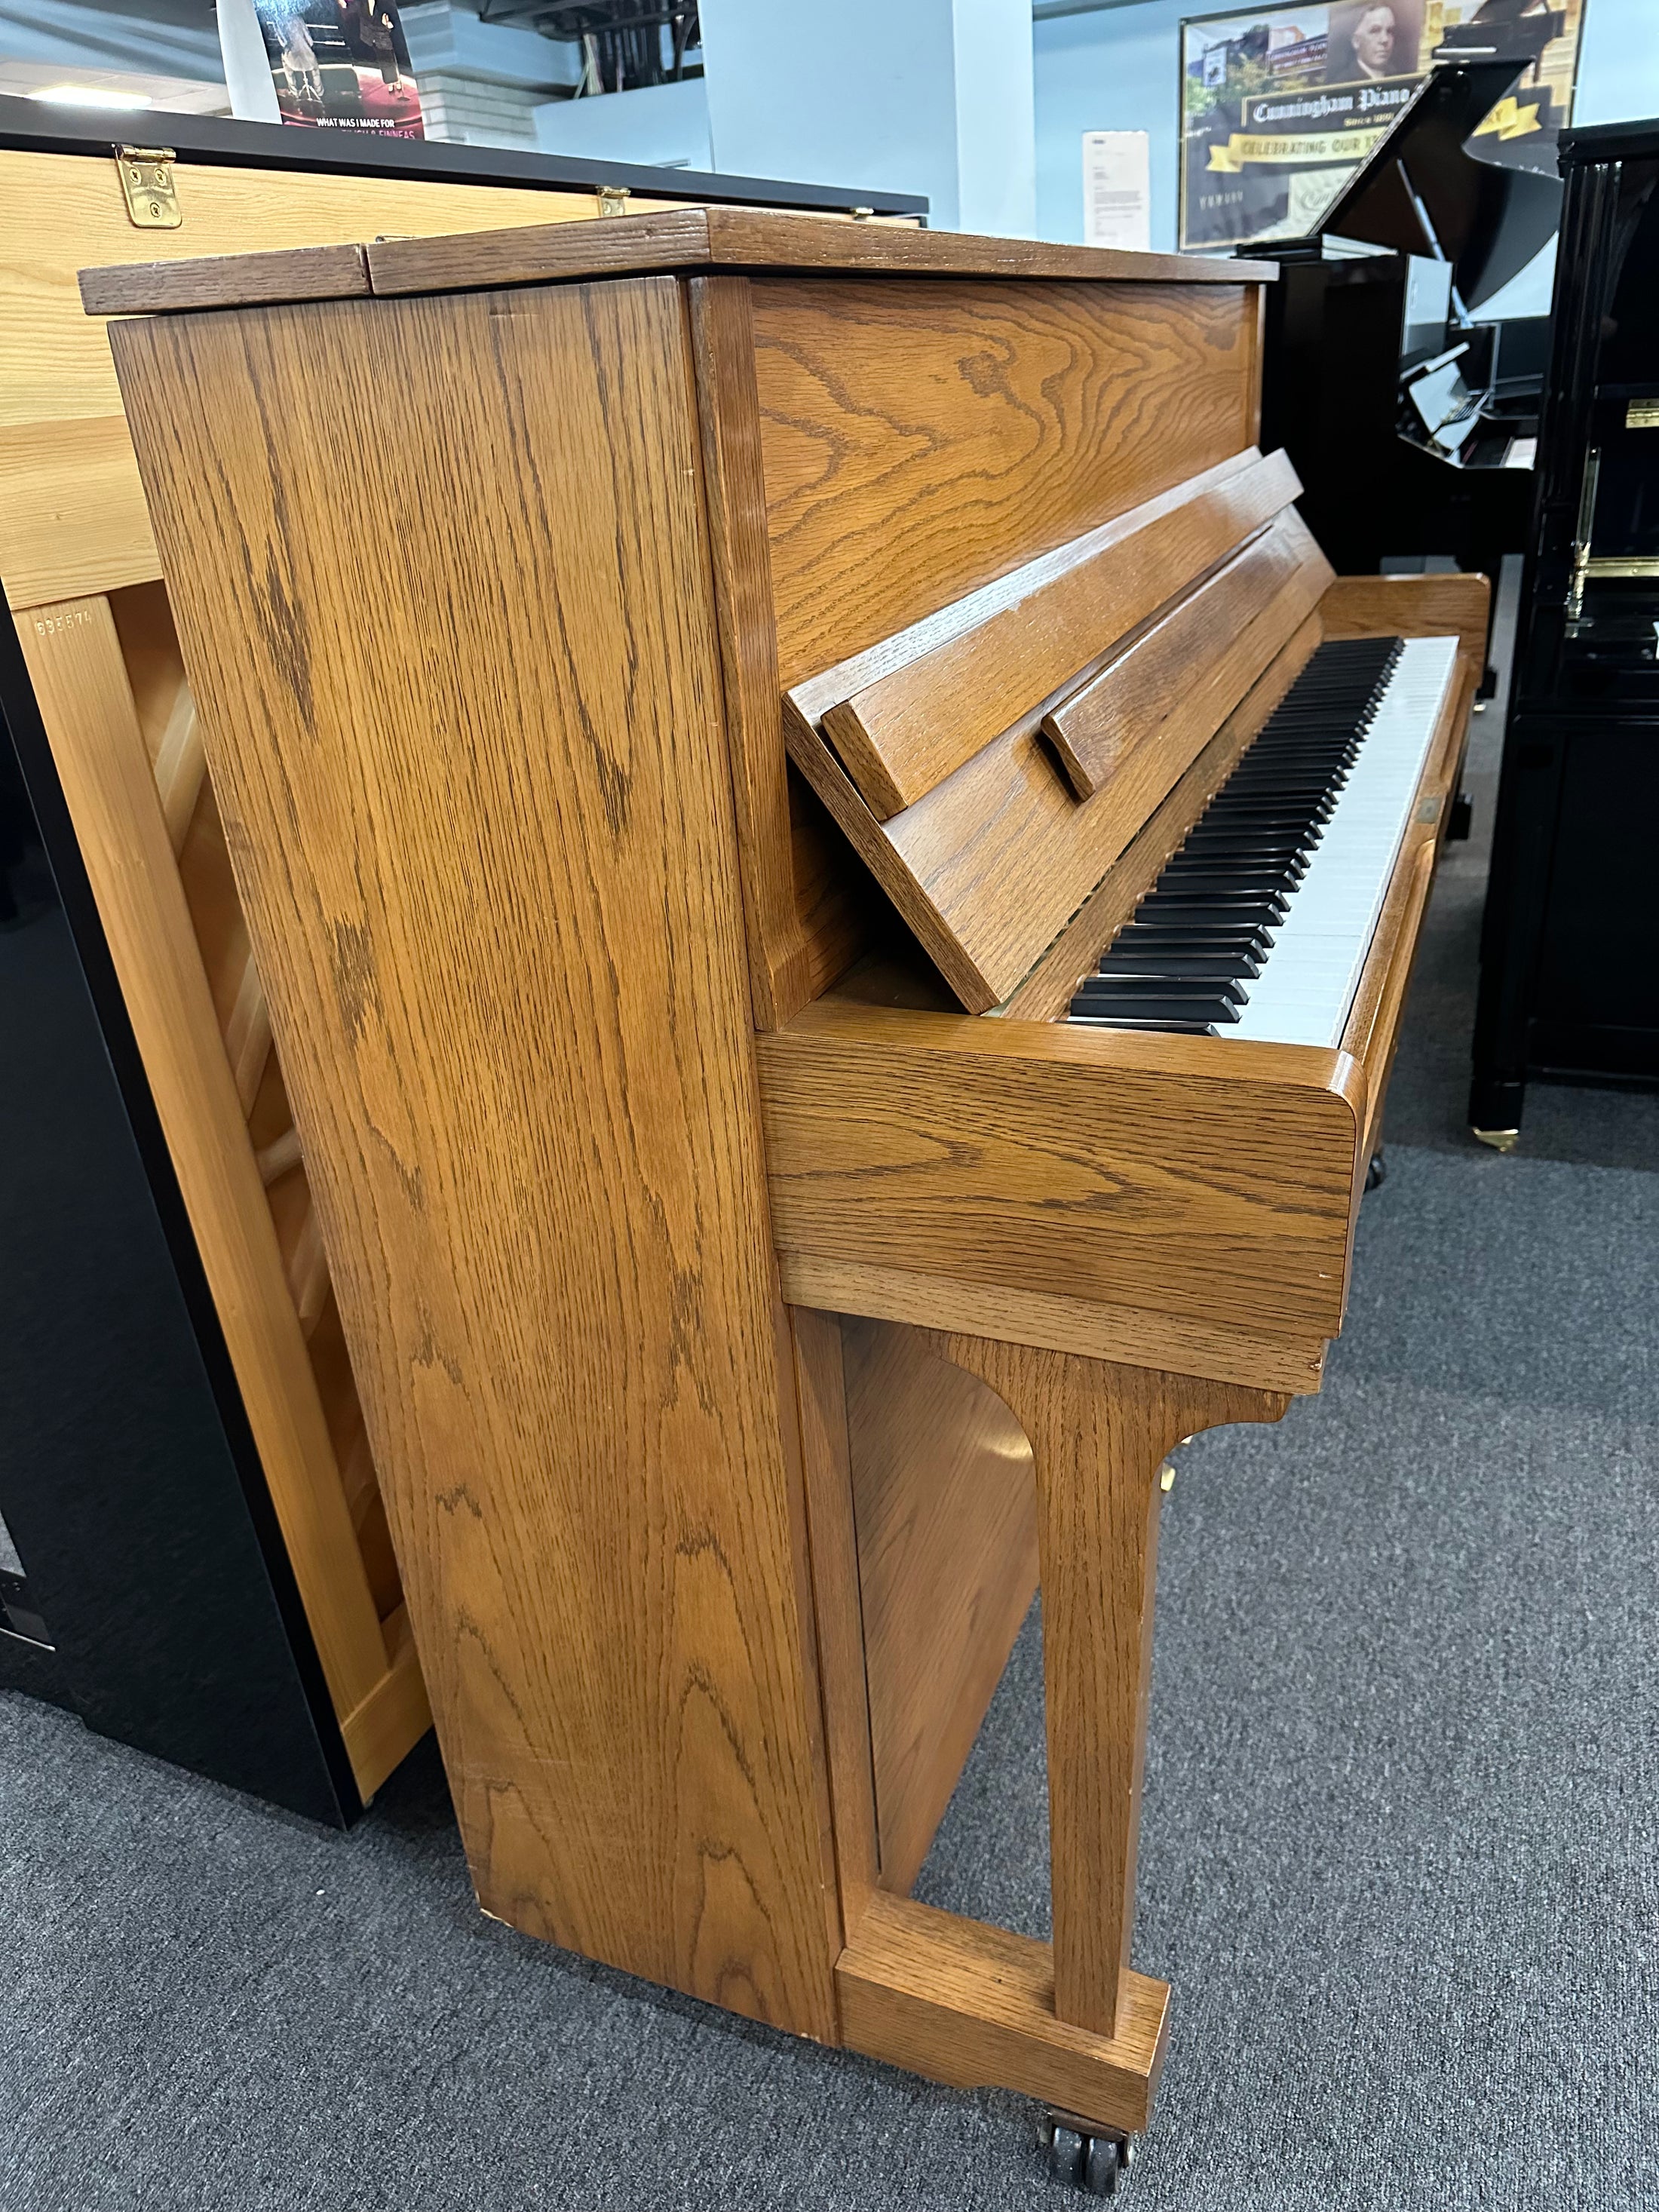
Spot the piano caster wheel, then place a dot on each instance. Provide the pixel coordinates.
(1097, 2164)
(1376, 1172)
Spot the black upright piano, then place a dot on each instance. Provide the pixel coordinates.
(1570, 951)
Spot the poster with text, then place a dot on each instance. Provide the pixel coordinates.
(342, 64)
(1279, 105)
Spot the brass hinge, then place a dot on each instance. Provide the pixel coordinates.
(147, 186)
(613, 198)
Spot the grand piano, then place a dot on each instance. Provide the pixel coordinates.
(835, 877)
(1411, 419)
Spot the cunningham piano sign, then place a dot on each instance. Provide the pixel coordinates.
(1279, 105)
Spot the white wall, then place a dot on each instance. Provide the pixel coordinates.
(931, 96)
(1110, 69)
(894, 133)
(60, 31)
(660, 125)
(1116, 69)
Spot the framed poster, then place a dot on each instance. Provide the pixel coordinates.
(342, 64)
(1280, 103)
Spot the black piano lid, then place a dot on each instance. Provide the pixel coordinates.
(1612, 142)
(226, 141)
(1425, 184)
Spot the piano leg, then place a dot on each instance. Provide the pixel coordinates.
(1099, 1433)
(1069, 2023)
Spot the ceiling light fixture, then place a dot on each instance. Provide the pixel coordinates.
(91, 95)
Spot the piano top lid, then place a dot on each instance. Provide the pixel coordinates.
(697, 239)
(1429, 188)
(1611, 142)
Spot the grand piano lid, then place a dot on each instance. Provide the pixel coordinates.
(1431, 187)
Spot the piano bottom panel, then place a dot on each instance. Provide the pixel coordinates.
(945, 1518)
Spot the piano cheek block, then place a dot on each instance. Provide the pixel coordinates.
(747, 1314)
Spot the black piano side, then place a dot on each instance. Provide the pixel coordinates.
(1570, 955)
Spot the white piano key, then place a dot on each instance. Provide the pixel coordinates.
(1312, 968)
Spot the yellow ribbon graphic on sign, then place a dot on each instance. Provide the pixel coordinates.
(1301, 149)
(1510, 119)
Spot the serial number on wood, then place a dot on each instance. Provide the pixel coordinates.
(56, 624)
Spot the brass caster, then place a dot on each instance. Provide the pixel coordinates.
(1501, 1140)
(1166, 1477)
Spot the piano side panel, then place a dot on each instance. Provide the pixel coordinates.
(946, 1509)
(1409, 606)
(922, 438)
(459, 684)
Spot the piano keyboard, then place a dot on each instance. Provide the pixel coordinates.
(1260, 924)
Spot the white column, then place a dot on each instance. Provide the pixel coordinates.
(929, 96)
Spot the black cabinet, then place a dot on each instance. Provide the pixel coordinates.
(143, 1583)
(1570, 950)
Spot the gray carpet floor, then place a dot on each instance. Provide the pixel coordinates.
(1401, 1854)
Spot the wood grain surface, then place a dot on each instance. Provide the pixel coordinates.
(224, 280)
(1141, 690)
(1136, 1335)
(1098, 1434)
(1210, 1179)
(460, 693)
(922, 439)
(974, 2007)
(72, 517)
(1409, 606)
(1046, 990)
(761, 238)
(946, 1513)
(784, 926)
(902, 730)
(87, 706)
(991, 867)
(838, 1613)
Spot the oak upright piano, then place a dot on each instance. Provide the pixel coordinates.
(836, 878)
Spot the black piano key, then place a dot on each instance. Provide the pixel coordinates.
(1214, 967)
(1128, 1022)
(1104, 1008)
(1154, 939)
(1256, 884)
(1116, 983)
(1269, 907)
(1224, 836)
(1288, 863)
(1134, 983)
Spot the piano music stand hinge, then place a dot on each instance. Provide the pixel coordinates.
(613, 198)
